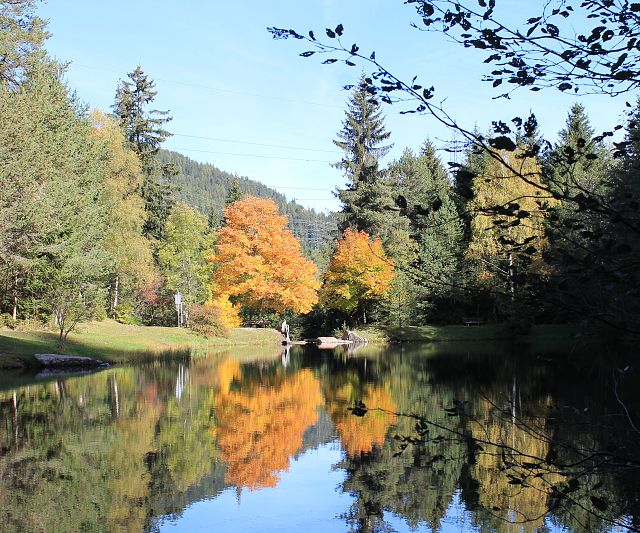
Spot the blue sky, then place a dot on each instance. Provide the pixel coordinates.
(223, 77)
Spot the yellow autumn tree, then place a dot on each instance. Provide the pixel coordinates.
(228, 314)
(359, 273)
(508, 227)
(259, 261)
(130, 251)
(259, 430)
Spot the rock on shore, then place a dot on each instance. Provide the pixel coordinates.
(53, 360)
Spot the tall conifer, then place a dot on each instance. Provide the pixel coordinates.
(366, 197)
(144, 131)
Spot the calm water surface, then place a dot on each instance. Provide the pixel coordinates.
(422, 438)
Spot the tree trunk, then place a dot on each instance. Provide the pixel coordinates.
(114, 302)
(510, 273)
(14, 314)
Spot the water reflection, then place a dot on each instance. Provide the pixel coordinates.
(413, 439)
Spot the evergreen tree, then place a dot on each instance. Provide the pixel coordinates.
(577, 167)
(620, 245)
(577, 163)
(234, 193)
(433, 257)
(52, 229)
(367, 198)
(22, 35)
(144, 130)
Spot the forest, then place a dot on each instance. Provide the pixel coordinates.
(97, 220)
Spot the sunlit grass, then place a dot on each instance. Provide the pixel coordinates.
(110, 341)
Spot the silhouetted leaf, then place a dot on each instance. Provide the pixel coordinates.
(502, 143)
(599, 503)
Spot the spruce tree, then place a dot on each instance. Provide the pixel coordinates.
(234, 193)
(367, 197)
(22, 35)
(431, 261)
(144, 131)
(620, 245)
(577, 163)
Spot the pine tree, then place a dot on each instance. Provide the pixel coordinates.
(144, 130)
(577, 163)
(434, 255)
(22, 36)
(577, 167)
(366, 199)
(234, 193)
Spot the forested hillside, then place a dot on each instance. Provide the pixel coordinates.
(206, 187)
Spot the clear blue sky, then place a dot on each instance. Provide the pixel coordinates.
(222, 76)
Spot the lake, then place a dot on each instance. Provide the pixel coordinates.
(450, 437)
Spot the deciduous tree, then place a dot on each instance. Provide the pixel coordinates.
(184, 255)
(259, 262)
(359, 273)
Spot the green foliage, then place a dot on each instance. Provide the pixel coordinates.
(22, 35)
(184, 255)
(144, 131)
(430, 257)
(367, 197)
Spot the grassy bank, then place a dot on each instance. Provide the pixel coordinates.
(539, 334)
(119, 343)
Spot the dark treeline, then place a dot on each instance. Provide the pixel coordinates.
(525, 231)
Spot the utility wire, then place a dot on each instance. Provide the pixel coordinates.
(253, 155)
(217, 89)
(254, 143)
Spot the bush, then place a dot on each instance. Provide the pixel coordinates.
(206, 320)
(7, 320)
(125, 314)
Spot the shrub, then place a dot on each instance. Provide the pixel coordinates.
(206, 320)
(7, 320)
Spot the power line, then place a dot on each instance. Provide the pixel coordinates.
(254, 143)
(253, 155)
(217, 89)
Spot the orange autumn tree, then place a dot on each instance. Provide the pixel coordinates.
(259, 261)
(359, 434)
(359, 273)
(260, 429)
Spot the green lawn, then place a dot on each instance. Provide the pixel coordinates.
(539, 334)
(110, 341)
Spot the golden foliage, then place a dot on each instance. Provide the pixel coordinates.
(259, 431)
(359, 270)
(522, 507)
(123, 239)
(259, 261)
(359, 434)
(516, 182)
(228, 313)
